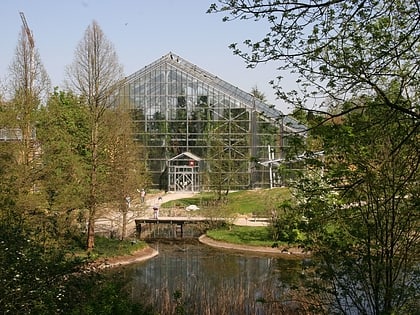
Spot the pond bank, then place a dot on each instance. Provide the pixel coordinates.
(149, 252)
(292, 252)
(118, 261)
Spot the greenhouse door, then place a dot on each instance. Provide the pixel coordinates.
(184, 178)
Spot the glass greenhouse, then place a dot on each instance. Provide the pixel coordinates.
(200, 132)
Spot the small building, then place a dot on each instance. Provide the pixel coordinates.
(184, 173)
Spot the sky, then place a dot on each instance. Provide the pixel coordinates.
(141, 31)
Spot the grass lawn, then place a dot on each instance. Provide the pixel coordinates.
(107, 247)
(259, 202)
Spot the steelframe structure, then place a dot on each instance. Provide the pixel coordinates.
(178, 107)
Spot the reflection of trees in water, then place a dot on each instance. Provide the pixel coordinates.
(209, 279)
(165, 231)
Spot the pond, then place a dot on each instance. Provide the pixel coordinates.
(200, 279)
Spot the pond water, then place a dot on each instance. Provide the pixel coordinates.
(203, 280)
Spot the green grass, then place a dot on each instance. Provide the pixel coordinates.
(114, 247)
(106, 248)
(259, 202)
(243, 235)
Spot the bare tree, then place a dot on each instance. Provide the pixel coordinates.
(27, 88)
(94, 74)
(29, 85)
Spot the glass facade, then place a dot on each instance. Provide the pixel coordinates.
(178, 107)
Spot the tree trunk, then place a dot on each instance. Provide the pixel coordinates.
(93, 188)
(90, 242)
(124, 224)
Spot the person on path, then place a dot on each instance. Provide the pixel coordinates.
(156, 212)
(128, 201)
(142, 195)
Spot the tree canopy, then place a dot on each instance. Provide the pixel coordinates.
(357, 66)
(337, 49)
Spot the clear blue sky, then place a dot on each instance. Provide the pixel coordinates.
(141, 31)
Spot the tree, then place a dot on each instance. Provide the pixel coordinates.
(258, 94)
(94, 75)
(126, 163)
(358, 62)
(33, 269)
(362, 213)
(28, 87)
(64, 132)
(336, 49)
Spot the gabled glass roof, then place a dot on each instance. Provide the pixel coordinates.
(177, 62)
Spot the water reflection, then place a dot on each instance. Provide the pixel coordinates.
(209, 279)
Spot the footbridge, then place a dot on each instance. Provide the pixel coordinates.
(174, 227)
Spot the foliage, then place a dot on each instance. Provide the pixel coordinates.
(38, 276)
(220, 164)
(95, 293)
(288, 225)
(32, 266)
(335, 49)
(63, 131)
(124, 161)
(361, 60)
(362, 212)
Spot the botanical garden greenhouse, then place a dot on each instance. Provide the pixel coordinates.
(202, 133)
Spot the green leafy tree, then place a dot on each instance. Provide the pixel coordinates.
(362, 212)
(358, 63)
(220, 173)
(94, 76)
(32, 268)
(335, 49)
(126, 163)
(64, 133)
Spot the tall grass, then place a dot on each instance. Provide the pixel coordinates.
(225, 300)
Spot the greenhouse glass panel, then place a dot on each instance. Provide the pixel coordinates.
(180, 110)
